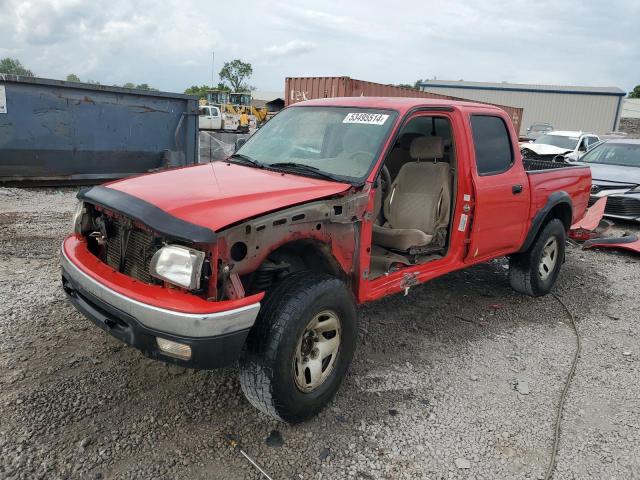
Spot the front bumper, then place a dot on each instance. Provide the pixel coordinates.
(620, 206)
(215, 338)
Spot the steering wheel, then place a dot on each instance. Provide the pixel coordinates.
(386, 180)
(385, 184)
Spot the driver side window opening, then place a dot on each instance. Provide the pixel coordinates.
(414, 197)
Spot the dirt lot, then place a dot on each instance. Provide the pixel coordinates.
(431, 391)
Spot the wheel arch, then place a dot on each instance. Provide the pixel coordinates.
(302, 254)
(313, 254)
(560, 206)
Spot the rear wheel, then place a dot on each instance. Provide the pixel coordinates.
(300, 347)
(535, 272)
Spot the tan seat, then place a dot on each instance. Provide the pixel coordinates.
(400, 153)
(418, 203)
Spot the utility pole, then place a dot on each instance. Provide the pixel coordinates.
(213, 70)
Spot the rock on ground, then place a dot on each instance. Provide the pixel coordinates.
(76, 403)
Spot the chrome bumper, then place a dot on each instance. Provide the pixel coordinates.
(195, 325)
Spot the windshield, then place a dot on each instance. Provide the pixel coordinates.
(625, 154)
(557, 141)
(540, 128)
(342, 142)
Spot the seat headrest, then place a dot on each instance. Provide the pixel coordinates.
(427, 148)
(405, 140)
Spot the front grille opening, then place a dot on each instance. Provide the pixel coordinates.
(123, 245)
(140, 247)
(620, 205)
(128, 246)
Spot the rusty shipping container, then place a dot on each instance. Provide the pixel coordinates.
(298, 89)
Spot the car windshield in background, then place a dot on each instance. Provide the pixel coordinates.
(540, 128)
(340, 142)
(625, 154)
(557, 141)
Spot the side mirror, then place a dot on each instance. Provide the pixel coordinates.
(239, 143)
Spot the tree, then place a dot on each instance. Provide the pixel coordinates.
(415, 86)
(201, 91)
(235, 73)
(145, 86)
(13, 66)
(635, 93)
(72, 77)
(140, 86)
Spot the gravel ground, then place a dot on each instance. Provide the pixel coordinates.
(432, 392)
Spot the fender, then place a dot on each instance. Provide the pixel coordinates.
(555, 199)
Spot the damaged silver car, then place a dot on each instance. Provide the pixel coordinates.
(615, 168)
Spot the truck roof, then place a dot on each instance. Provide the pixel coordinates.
(401, 104)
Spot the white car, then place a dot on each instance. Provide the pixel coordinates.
(569, 145)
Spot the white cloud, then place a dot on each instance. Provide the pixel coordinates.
(169, 44)
(292, 47)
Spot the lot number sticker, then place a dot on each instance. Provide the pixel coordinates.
(366, 118)
(3, 100)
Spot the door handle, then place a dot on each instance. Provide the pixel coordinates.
(516, 189)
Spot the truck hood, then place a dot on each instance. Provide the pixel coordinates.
(219, 194)
(544, 149)
(603, 174)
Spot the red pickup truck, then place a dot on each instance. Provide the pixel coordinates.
(263, 258)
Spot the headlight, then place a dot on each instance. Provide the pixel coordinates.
(178, 265)
(78, 217)
(635, 189)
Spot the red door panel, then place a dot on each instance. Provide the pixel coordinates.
(502, 196)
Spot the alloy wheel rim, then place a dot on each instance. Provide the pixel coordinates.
(549, 258)
(317, 351)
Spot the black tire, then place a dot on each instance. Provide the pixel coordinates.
(524, 268)
(267, 373)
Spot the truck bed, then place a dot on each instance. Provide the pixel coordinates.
(547, 178)
(531, 165)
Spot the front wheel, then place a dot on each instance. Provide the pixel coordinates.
(301, 346)
(535, 272)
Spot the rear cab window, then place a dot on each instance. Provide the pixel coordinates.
(492, 144)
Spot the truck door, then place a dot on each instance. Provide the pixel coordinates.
(216, 118)
(501, 190)
(204, 119)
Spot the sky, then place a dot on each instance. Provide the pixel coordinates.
(169, 44)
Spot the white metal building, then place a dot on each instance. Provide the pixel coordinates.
(591, 109)
(630, 108)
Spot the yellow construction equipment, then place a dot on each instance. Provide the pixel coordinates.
(234, 104)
